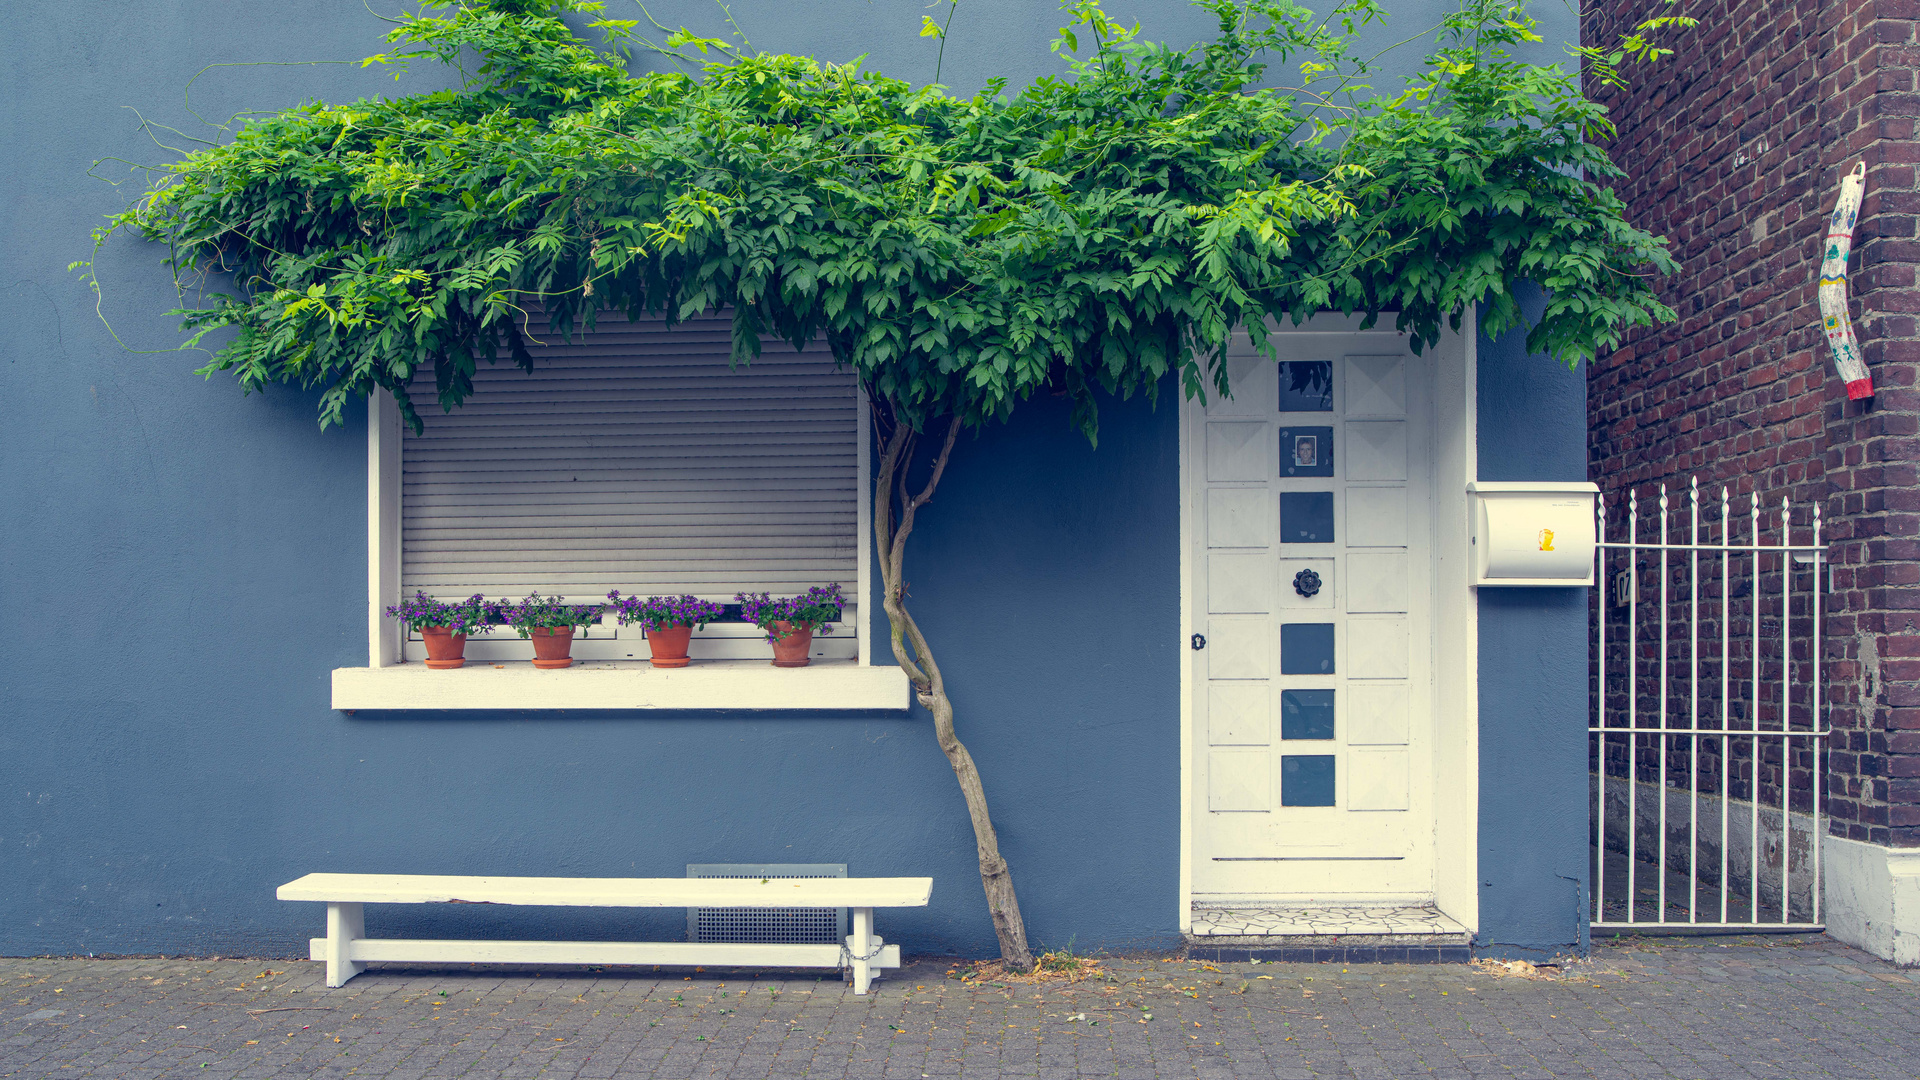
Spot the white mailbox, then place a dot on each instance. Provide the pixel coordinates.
(1532, 533)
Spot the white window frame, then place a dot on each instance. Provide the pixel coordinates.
(389, 682)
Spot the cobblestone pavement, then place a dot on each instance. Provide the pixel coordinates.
(1784, 1007)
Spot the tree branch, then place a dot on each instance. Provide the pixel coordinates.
(893, 458)
(910, 508)
(939, 464)
(935, 685)
(915, 657)
(892, 447)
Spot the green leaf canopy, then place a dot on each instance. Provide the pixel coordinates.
(1093, 231)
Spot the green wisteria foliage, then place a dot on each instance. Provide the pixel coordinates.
(1094, 231)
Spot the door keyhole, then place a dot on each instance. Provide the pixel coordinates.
(1199, 642)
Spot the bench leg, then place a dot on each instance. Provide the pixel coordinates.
(862, 943)
(345, 923)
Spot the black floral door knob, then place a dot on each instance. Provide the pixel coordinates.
(1306, 583)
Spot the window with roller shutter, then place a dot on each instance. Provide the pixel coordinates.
(637, 457)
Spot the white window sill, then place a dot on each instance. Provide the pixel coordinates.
(624, 684)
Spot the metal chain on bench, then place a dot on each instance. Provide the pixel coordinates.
(847, 959)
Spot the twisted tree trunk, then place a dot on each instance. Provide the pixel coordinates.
(891, 529)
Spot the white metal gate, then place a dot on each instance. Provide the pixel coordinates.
(1706, 683)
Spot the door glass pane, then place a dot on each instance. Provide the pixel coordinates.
(1306, 649)
(1306, 517)
(1306, 780)
(1306, 386)
(1306, 714)
(1306, 451)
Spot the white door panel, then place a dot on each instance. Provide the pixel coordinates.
(1377, 714)
(1238, 781)
(1239, 517)
(1377, 780)
(1252, 379)
(1240, 582)
(1377, 649)
(1311, 492)
(1377, 450)
(1239, 648)
(1377, 581)
(1237, 452)
(1376, 386)
(1239, 713)
(1378, 515)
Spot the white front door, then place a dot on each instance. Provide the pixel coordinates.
(1310, 513)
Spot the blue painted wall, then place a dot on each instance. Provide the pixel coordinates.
(1533, 676)
(182, 567)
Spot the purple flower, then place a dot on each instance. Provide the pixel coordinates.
(659, 612)
(816, 609)
(462, 617)
(538, 611)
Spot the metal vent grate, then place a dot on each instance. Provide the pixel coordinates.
(782, 926)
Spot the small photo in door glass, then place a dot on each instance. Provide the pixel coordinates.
(1306, 451)
(1306, 386)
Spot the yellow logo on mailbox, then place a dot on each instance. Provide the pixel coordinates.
(1546, 539)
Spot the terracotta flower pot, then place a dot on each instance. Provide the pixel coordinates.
(445, 649)
(669, 644)
(552, 646)
(791, 644)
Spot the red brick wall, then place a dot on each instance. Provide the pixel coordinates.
(1734, 148)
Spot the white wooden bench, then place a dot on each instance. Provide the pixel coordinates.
(346, 948)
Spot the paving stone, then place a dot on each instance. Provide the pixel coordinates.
(1787, 1007)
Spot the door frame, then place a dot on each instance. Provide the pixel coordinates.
(1456, 698)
